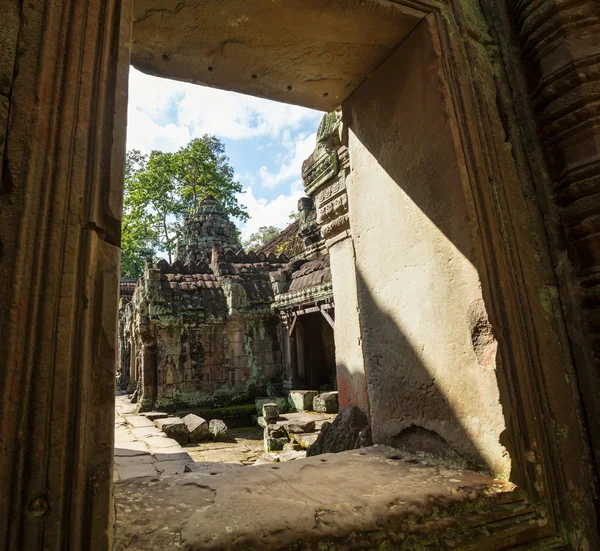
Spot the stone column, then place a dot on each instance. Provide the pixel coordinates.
(63, 96)
(561, 55)
(332, 215)
(325, 175)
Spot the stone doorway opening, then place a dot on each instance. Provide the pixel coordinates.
(440, 135)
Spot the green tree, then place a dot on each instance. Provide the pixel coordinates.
(261, 237)
(160, 188)
(202, 168)
(153, 203)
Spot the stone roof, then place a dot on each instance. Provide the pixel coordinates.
(286, 242)
(311, 274)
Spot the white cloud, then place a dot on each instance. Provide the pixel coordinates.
(269, 213)
(189, 111)
(292, 169)
(144, 134)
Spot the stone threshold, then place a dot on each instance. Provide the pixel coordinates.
(372, 498)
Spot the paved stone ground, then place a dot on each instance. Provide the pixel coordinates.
(245, 449)
(374, 498)
(141, 449)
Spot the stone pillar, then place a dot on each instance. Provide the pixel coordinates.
(63, 87)
(561, 56)
(349, 359)
(148, 376)
(325, 175)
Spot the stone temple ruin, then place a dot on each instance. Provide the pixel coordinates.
(458, 203)
(220, 326)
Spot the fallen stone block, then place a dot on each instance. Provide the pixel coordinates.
(302, 400)
(274, 438)
(198, 428)
(276, 431)
(305, 440)
(292, 447)
(219, 430)
(270, 412)
(348, 431)
(282, 404)
(174, 428)
(297, 428)
(326, 403)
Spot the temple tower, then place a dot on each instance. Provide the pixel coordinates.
(208, 225)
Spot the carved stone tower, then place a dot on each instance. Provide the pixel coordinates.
(210, 224)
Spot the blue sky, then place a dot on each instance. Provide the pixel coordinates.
(266, 141)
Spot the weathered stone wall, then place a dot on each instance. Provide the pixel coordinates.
(202, 340)
(60, 208)
(429, 348)
(561, 69)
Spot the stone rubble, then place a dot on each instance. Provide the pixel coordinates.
(302, 400)
(197, 427)
(326, 402)
(270, 412)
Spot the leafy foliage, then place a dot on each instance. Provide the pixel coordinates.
(161, 188)
(260, 238)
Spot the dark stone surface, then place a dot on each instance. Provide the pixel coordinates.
(349, 430)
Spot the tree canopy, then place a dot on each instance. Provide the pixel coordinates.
(160, 188)
(260, 238)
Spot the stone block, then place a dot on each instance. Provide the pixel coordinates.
(162, 443)
(262, 422)
(276, 431)
(198, 428)
(302, 400)
(305, 441)
(274, 438)
(326, 403)
(270, 412)
(282, 404)
(300, 427)
(348, 431)
(154, 415)
(138, 422)
(174, 428)
(292, 447)
(145, 432)
(274, 444)
(219, 430)
(130, 449)
(173, 456)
